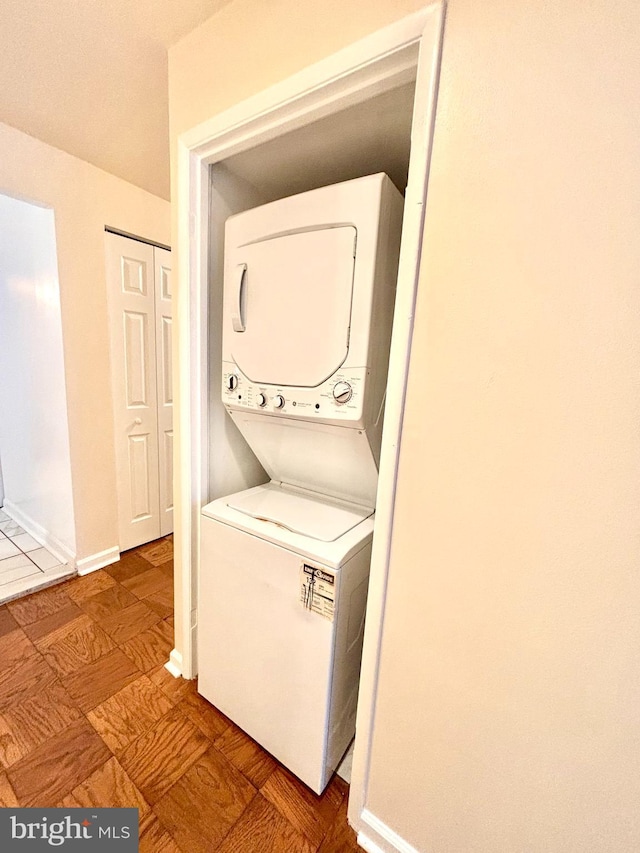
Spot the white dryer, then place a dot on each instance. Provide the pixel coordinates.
(308, 305)
(309, 290)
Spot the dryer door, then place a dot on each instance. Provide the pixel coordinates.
(288, 306)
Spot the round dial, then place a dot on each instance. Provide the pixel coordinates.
(342, 392)
(262, 400)
(278, 401)
(231, 382)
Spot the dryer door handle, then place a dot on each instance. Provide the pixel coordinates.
(237, 319)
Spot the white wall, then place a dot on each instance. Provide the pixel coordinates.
(34, 433)
(84, 199)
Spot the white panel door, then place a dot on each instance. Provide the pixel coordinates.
(162, 263)
(131, 276)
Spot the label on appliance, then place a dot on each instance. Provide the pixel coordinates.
(318, 590)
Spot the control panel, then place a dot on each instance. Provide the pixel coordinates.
(339, 399)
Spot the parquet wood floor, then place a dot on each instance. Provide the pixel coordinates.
(90, 717)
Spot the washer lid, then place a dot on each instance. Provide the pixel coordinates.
(288, 306)
(299, 512)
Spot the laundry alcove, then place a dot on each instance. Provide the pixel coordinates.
(368, 108)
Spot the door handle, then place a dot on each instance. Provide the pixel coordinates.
(137, 422)
(237, 320)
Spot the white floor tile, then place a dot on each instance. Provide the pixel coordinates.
(10, 528)
(59, 571)
(20, 572)
(8, 549)
(32, 583)
(25, 542)
(3, 515)
(43, 559)
(14, 563)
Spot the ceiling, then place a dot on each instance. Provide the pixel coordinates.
(90, 78)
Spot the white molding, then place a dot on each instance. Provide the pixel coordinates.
(399, 358)
(98, 561)
(380, 61)
(367, 63)
(384, 839)
(174, 664)
(46, 539)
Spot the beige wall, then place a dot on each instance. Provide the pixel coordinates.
(509, 691)
(509, 694)
(84, 200)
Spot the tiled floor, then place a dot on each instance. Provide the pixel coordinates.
(24, 564)
(89, 716)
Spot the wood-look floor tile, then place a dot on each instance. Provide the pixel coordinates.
(90, 685)
(110, 786)
(340, 838)
(39, 605)
(27, 724)
(75, 645)
(15, 647)
(128, 566)
(158, 552)
(107, 603)
(159, 757)
(147, 583)
(27, 676)
(54, 769)
(8, 799)
(155, 839)
(174, 688)
(61, 618)
(129, 713)
(262, 828)
(84, 587)
(125, 624)
(204, 804)
(7, 622)
(161, 601)
(208, 719)
(151, 647)
(310, 814)
(248, 756)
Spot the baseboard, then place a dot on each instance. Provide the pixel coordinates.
(46, 539)
(174, 664)
(98, 561)
(379, 838)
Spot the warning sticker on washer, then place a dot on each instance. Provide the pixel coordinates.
(318, 590)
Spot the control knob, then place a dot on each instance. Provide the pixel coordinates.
(342, 392)
(231, 382)
(262, 400)
(278, 401)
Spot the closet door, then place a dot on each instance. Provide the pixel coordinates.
(135, 341)
(162, 264)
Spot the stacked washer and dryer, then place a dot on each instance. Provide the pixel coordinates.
(309, 289)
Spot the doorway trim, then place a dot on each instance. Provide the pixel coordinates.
(407, 49)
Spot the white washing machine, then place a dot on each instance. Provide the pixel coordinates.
(308, 304)
(281, 645)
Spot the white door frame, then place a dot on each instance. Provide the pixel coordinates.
(396, 54)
